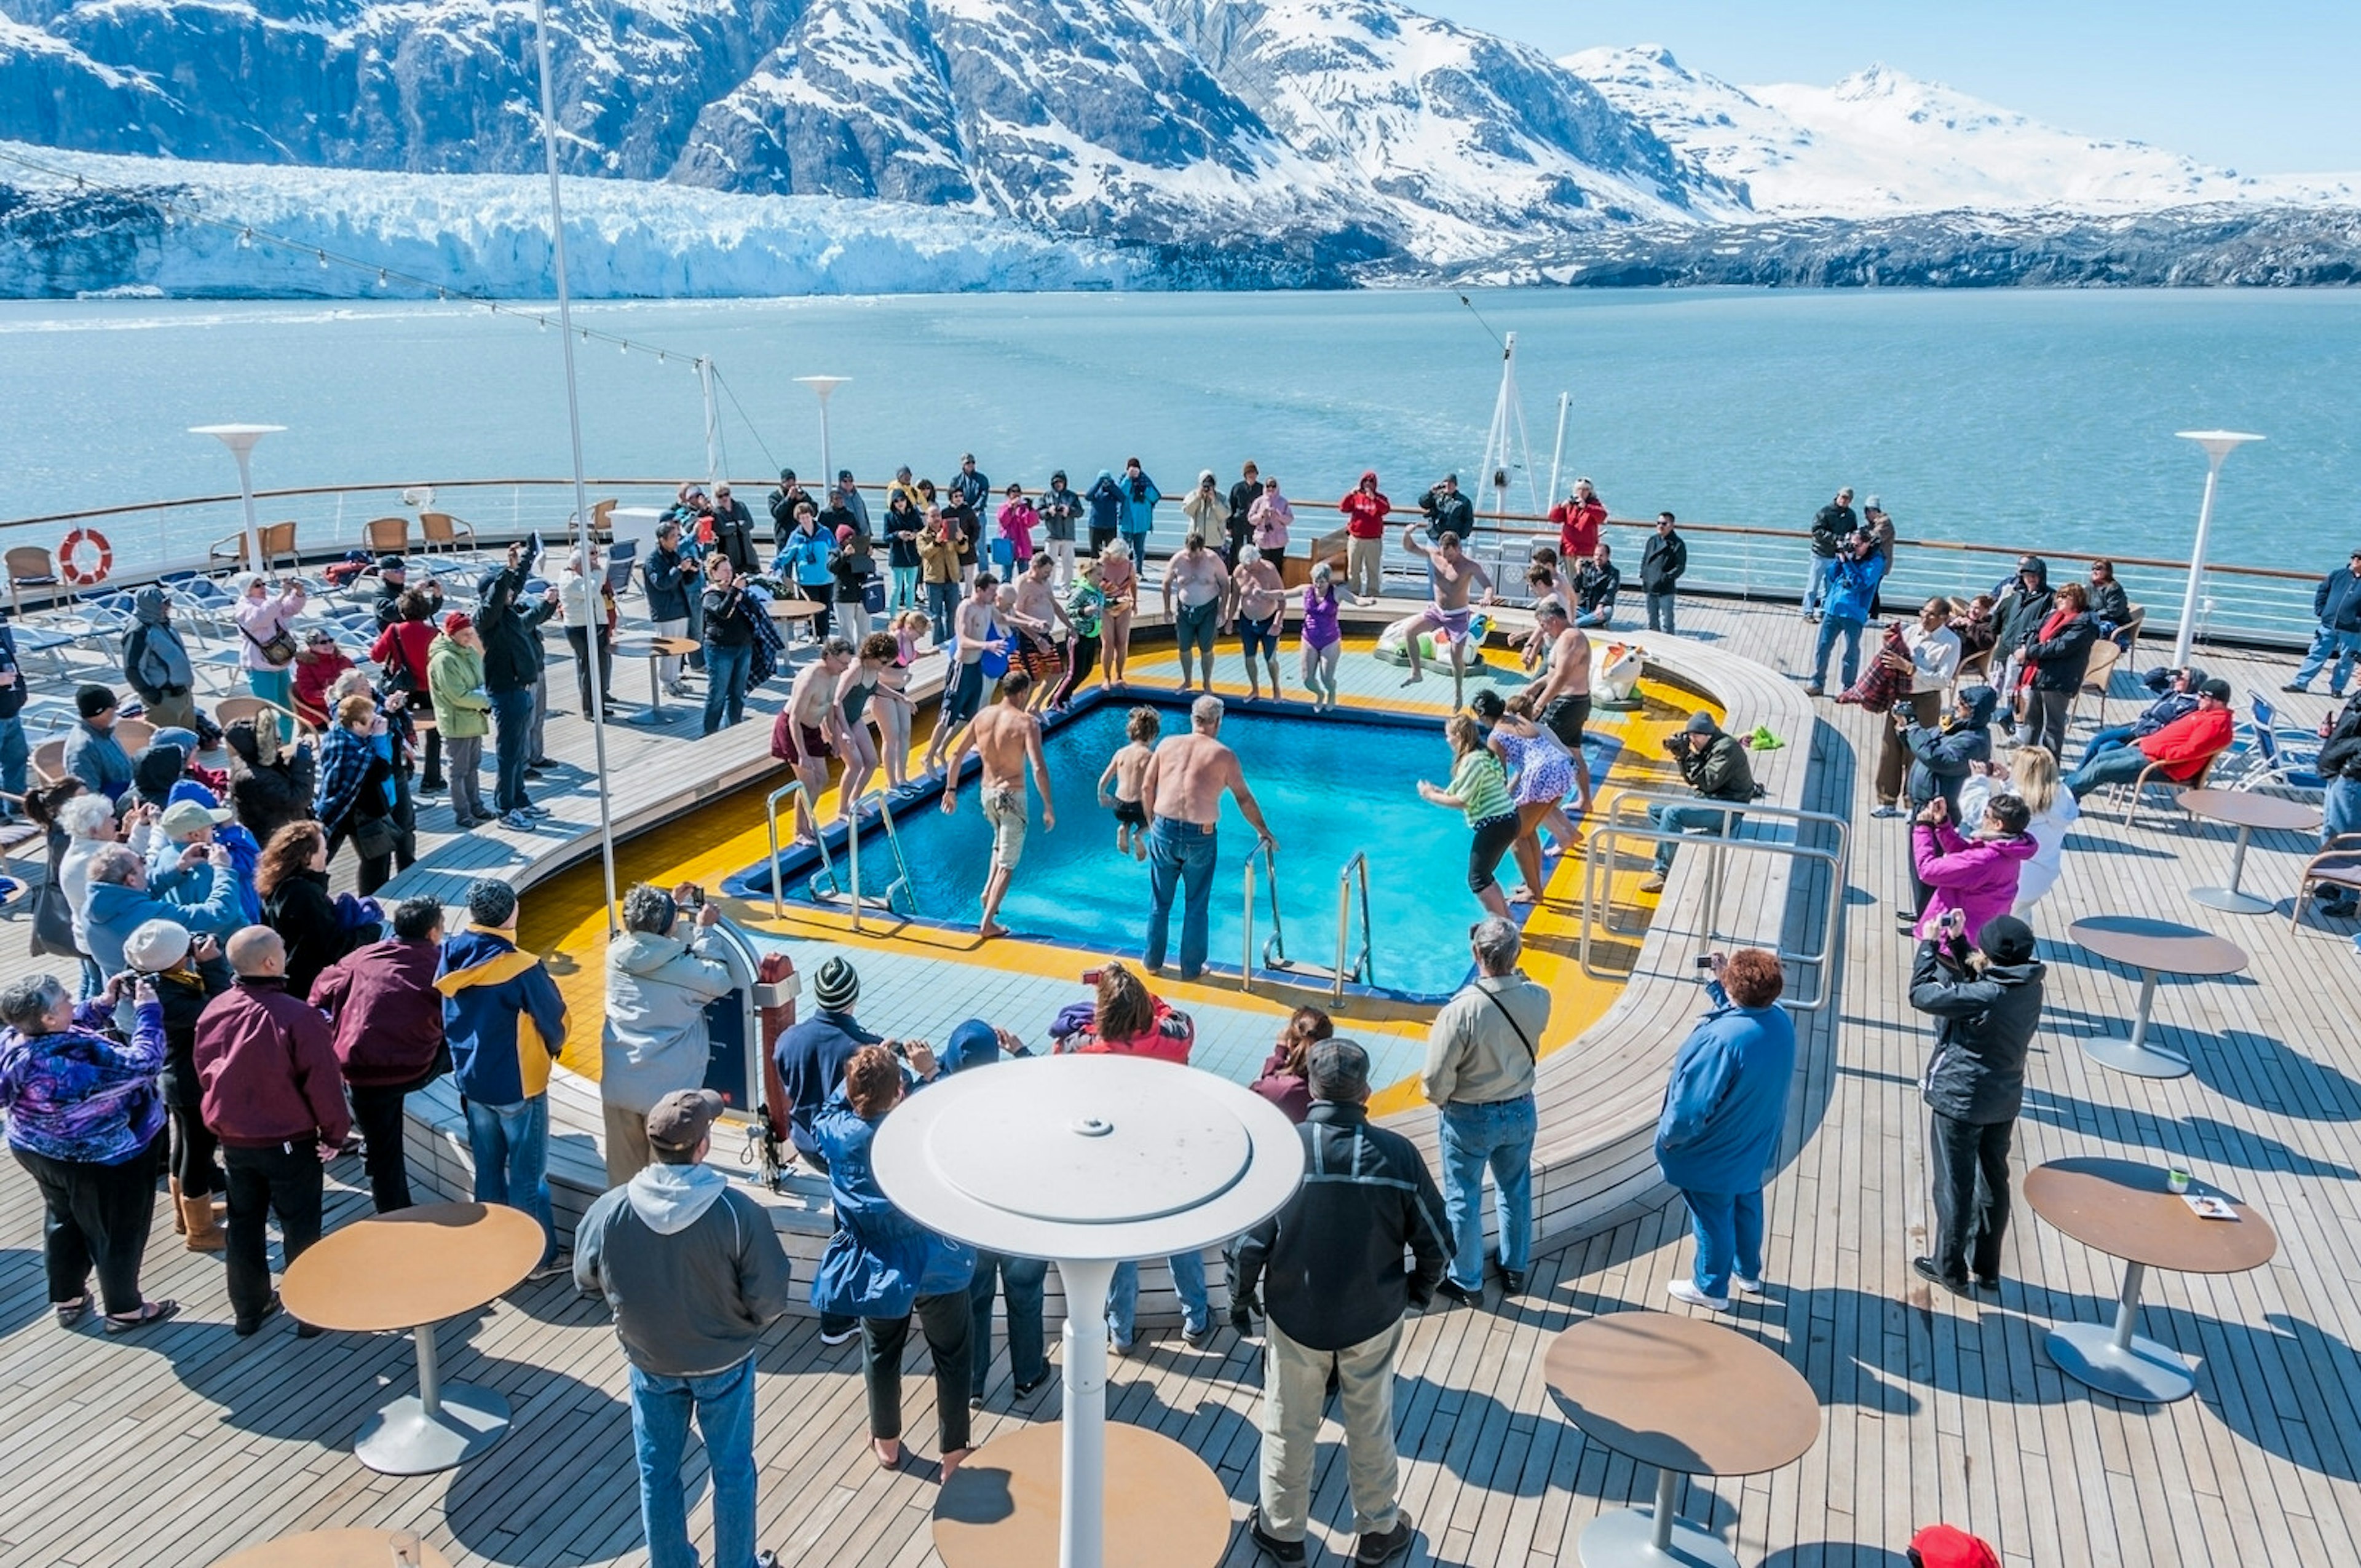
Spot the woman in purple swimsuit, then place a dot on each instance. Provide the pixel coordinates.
(1324, 640)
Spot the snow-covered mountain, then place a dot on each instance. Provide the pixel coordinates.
(1881, 142)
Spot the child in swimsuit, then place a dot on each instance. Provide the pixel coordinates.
(1126, 768)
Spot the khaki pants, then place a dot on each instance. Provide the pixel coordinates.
(1294, 1390)
(1363, 572)
(627, 1143)
(1892, 756)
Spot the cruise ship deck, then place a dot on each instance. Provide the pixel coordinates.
(183, 1444)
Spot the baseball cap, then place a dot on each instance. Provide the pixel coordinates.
(682, 1118)
(390, 563)
(2217, 688)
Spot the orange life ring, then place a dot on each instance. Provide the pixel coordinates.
(71, 547)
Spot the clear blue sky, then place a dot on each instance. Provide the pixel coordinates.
(2264, 87)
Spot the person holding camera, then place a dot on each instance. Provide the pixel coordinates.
(1985, 1000)
(1714, 765)
(655, 1044)
(1719, 1127)
(1973, 876)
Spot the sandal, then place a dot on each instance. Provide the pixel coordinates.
(70, 1312)
(149, 1313)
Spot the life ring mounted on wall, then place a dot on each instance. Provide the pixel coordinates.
(70, 553)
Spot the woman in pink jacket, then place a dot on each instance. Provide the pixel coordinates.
(1977, 876)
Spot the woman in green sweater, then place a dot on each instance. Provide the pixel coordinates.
(455, 679)
(1479, 787)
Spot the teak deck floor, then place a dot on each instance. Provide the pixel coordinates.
(179, 1444)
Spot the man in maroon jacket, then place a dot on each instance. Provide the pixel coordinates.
(388, 1017)
(266, 1064)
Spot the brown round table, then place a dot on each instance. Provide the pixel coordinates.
(2125, 1210)
(1001, 1508)
(411, 1269)
(2154, 948)
(337, 1549)
(2245, 810)
(1690, 1398)
(655, 650)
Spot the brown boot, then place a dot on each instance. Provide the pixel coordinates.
(197, 1221)
(180, 1210)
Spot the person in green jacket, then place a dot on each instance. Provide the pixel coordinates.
(455, 679)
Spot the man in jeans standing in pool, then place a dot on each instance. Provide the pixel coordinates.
(1006, 737)
(1181, 793)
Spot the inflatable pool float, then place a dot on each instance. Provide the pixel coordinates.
(1392, 640)
(1614, 678)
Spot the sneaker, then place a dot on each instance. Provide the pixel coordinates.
(1815, 689)
(828, 1339)
(1687, 1290)
(1458, 1295)
(1654, 882)
(2291, 686)
(1887, 811)
(1288, 1552)
(1198, 1338)
(1377, 1551)
(1117, 1346)
(535, 812)
(1026, 1390)
(975, 1401)
(1513, 1282)
(517, 821)
(1928, 1269)
(557, 1263)
(1746, 1287)
(1987, 1282)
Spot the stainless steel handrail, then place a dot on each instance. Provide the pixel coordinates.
(1622, 824)
(788, 791)
(1277, 943)
(1364, 965)
(893, 841)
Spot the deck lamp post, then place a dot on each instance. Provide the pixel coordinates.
(2218, 445)
(240, 440)
(824, 385)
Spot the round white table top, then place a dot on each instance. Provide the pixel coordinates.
(1088, 1158)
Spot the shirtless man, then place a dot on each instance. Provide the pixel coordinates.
(1198, 576)
(809, 729)
(1456, 576)
(1036, 619)
(1258, 606)
(1563, 699)
(963, 690)
(1181, 796)
(1008, 739)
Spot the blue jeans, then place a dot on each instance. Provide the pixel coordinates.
(1728, 1231)
(1139, 542)
(1661, 609)
(14, 755)
(2326, 642)
(511, 748)
(1816, 586)
(2340, 812)
(1713, 820)
(1188, 1278)
(1022, 1280)
(723, 1403)
(727, 670)
(942, 606)
(510, 1145)
(1832, 628)
(1500, 1136)
(2106, 740)
(1183, 854)
(2122, 765)
(1593, 617)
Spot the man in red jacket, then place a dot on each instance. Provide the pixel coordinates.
(266, 1066)
(2182, 747)
(1364, 526)
(1579, 518)
(387, 1016)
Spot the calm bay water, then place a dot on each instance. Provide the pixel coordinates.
(2017, 416)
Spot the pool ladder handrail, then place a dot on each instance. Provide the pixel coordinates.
(836, 889)
(1363, 970)
(1274, 952)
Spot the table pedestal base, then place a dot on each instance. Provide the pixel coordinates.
(1651, 1537)
(1164, 1506)
(2230, 901)
(404, 1438)
(2140, 1061)
(2119, 1361)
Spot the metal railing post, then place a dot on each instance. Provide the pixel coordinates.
(1245, 957)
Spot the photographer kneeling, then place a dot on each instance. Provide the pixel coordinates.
(1714, 765)
(1986, 1002)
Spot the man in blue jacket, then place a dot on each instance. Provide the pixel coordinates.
(2336, 602)
(505, 1024)
(1852, 585)
(1721, 1124)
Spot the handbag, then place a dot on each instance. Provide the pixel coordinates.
(375, 837)
(53, 924)
(278, 650)
(1004, 552)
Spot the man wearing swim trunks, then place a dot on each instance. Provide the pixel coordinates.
(1203, 582)
(1456, 576)
(1008, 739)
(1042, 627)
(1258, 606)
(1181, 793)
(808, 729)
(1563, 699)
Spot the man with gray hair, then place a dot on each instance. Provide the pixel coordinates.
(1181, 796)
(1331, 1264)
(658, 984)
(1480, 1077)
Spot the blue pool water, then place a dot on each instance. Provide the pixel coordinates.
(1327, 787)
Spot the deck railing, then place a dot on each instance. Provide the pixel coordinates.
(2265, 606)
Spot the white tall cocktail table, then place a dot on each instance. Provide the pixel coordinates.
(1087, 1161)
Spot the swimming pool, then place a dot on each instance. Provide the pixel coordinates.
(1329, 786)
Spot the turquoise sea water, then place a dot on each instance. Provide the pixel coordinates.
(1327, 788)
(2012, 415)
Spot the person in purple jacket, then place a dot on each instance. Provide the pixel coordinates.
(1974, 875)
(1719, 1128)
